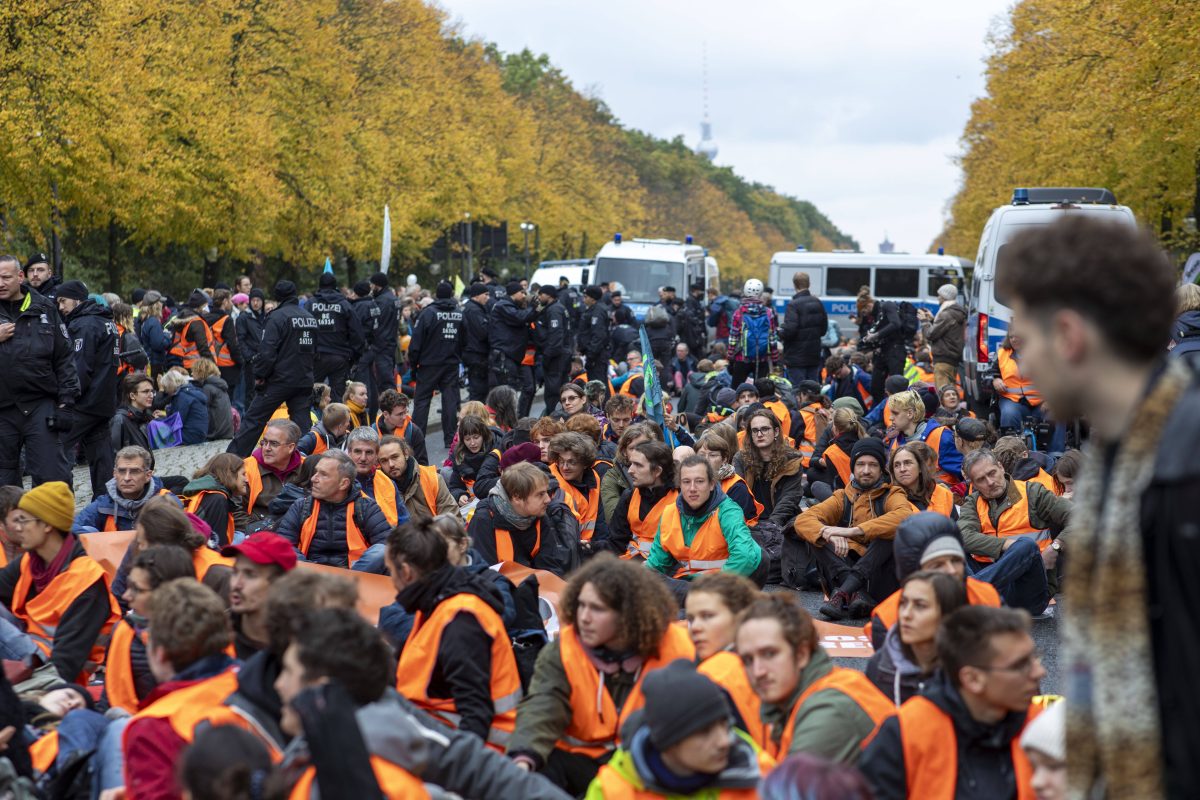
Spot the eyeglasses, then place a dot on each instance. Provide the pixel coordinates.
(760, 431)
(130, 472)
(270, 443)
(1022, 667)
(569, 463)
(20, 522)
(135, 590)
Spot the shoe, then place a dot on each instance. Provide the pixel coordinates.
(861, 605)
(836, 608)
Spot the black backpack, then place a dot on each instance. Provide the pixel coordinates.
(909, 323)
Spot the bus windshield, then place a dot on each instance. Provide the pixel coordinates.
(641, 279)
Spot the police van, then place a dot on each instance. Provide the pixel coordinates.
(577, 271)
(836, 278)
(643, 266)
(988, 316)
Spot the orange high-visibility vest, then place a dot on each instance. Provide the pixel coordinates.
(887, 612)
(585, 509)
(849, 682)
(940, 502)
(1014, 521)
(44, 752)
(504, 542)
(1019, 387)
(385, 496)
(839, 459)
(727, 671)
(645, 528)
(782, 413)
(419, 657)
(356, 544)
(119, 685)
(254, 480)
(394, 781)
(43, 614)
(194, 504)
(186, 708)
(220, 347)
(429, 486)
(184, 348)
(931, 752)
(205, 558)
(1046, 480)
(708, 552)
(758, 507)
(595, 724)
(123, 367)
(110, 522)
(933, 438)
(809, 443)
(319, 445)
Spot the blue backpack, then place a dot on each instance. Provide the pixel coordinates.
(756, 333)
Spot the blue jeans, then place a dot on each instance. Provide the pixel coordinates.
(372, 560)
(797, 374)
(108, 764)
(1013, 414)
(1019, 575)
(15, 644)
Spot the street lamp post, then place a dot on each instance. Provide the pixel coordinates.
(526, 229)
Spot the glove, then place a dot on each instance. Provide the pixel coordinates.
(64, 418)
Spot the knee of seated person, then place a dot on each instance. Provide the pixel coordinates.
(1023, 547)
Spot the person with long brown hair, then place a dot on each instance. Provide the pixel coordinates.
(616, 479)
(774, 471)
(211, 492)
(910, 470)
(718, 446)
(616, 628)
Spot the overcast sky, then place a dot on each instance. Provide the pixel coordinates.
(856, 105)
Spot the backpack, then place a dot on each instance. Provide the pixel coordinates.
(132, 353)
(909, 324)
(657, 316)
(756, 335)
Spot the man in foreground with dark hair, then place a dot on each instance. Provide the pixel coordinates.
(1092, 303)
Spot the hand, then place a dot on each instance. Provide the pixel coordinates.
(840, 545)
(7, 329)
(6, 736)
(462, 501)
(999, 386)
(66, 417)
(1050, 558)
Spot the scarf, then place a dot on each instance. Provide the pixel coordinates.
(1113, 730)
(130, 508)
(726, 471)
(41, 572)
(504, 508)
(282, 474)
(357, 413)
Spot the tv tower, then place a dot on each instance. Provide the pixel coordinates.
(707, 147)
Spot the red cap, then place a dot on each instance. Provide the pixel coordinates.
(264, 547)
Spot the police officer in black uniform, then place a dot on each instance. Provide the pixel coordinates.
(508, 339)
(435, 351)
(249, 327)
(40, 384)
(366, 311)
(491, 279)
(339, 335)
(383, 346)
(553, 340)
(593, 334)
(283, 369)
(41, 277)
(94, 338)
(475, 340)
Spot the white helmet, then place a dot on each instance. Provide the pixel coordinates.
(753, 288)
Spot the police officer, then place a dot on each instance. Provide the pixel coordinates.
(492, 280)
(509, 338)
(40, 384)
(554, 342)
(339, 335)
(593, 334)
(249, 326)
(475, 340)
(387, 330)
(41, 275)
(95, 342)
(366, 311)
(283, 369)
(568, 298)
(435, 351)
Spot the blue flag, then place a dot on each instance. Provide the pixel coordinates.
(328, 266)
(652, 397)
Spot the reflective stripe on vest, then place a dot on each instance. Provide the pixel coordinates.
(395, 782)
(837, 458)
(504, 543)
(119, 685)
(385, 496)
(43, 614)
(193, 505)
(929, 744)
(220, 347)
(758, 507)
(185, 349)
(887, 612)
(419, 658)
(584, 509)
(708, 551)
(356, 545)
(853, 684)
(1013, 522)
(727, 671)
(595, 722)
(429, 486)
(1019, 387)
(645, 529)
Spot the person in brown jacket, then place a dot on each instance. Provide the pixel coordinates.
(849, 536)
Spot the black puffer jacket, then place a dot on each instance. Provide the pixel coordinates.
(95, 340)
(558, 550)
(329, 539)
(804, 323)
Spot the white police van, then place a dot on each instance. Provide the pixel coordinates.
(988, 316)
(577, 271)
(836, 277)
(643, 266)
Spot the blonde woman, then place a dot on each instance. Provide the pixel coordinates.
(187, 400)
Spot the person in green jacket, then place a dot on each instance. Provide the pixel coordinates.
(700, 500)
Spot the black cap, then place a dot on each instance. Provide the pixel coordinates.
(444, 291)
(380, 279)
(670, 289)
(698, 286)
(491, 273)
(73, 290)
(594, 292)
(476, 289)
(362, 289)
(198, 299)
(513, 287)
(563, 279)
(327, 280)
(970, 429)
(680, 702)
(222, 285)
(137, 296)
(37, 258)
(547, 291)
(284, 290)
(895, 384)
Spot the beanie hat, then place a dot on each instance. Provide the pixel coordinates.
(680, 702)
(850, 403)
(942, 546)
(362, 288)
(895, 384)
(327, 280)
(868, 446)
(746, 387)
(88, 701)
(380, 279)
(53, 503)
(810, 387)
(527, 451)
(197, 299)
(947, 292)
(476, 289)
(259, 293)
(284, 291)
(594, 292)
(513, 287)
(241, 297)
(1048, 733)
(137, 296)
(444, 291)
(726, 397)
(74, 290)
(547, 290)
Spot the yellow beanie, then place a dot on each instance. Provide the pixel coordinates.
(53, 503)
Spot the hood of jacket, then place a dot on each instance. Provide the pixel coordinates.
(1026, 469)
(425, 594)
(639, 762)
(130, 508)
(914, 534)
(90, 308)
(256, 692)
(205, 483)
(715, 500)
(1186, 324)
(217, 381)
(971, 732)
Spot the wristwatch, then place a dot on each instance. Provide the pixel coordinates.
(1056, 544)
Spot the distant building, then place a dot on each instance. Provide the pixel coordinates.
(887, 246)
